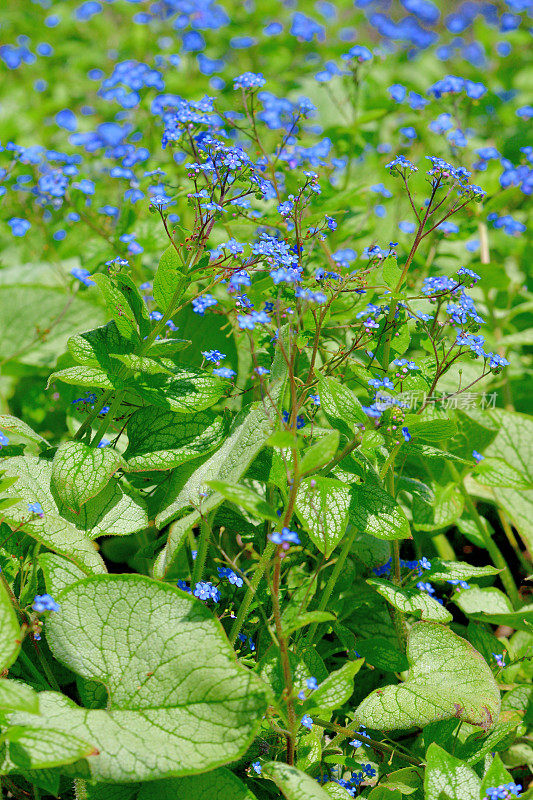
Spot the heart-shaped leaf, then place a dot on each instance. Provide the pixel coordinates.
(491, 605)
(337, 688)
(447, 678)
(411, 601)
(80, 472)
(17, 696)
(111, 512)
(374, 511)
(169, 280)
(447, 778)
(160, 439)
(96, 347)
(179, 703)
(322, 506)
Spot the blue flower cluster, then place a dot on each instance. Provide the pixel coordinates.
(44, 602)
(503, 791)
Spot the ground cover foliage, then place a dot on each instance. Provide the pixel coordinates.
(266, 510)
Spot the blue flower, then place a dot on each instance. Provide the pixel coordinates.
(213, 355)
(199, 304)
(205, 590)
(408, 132)
(256, 766)
(285, 208)
(249, 80)
(233, 578)
(397, 92)
(307, 722)
(66, 119)
(184, 586)
(358, 53)
(224, 372)
(312, 684)
(44, 602)
(19, 227)
(3, 440)
(286, 537)
(36, 508)
(406, 435)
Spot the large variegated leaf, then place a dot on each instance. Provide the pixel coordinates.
(179, 703)
(447, 679)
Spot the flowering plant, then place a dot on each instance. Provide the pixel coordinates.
(265, 503)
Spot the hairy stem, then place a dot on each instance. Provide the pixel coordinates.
(333, 578)
(264, 561)
(494, 551)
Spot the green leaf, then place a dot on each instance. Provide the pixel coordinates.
(245, 498)
(322, 509)
(17, 696)
(15, 426)
(489, 601)
(29, 309)
(114, 511)
(282, 440)
(491, 605)
(55, 532)
(96, 347)
(442, 571)
(374, 511)
(320, 453)
(247, 437)
(117, 305)
(475, 748)
(391, 273)
(407, 780)
(514, 444)
(80, 472)
(497, 472)
(294, 784)
(336, 689)
(168, 347)
(495, 776)
(145, 364)
(31, 747)
(384, 793)
(58, 572)
(444, 509)
(186, 391)
(336, 791)
(108, 791)
(447, 679)
(221, 784)
(382, 655)
(169, 280)
(307, 618)
(447, 778)
(135, 301)
(10, 633)
(411, 601)
(160, 440)
(430, 453)
(340, 405)
(432, 430)
(179, 703)
(84, 376)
